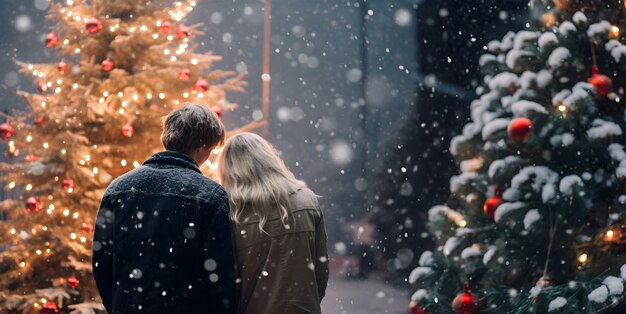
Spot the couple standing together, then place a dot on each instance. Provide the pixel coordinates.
(170, 240)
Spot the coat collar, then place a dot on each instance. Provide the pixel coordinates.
(174, 159)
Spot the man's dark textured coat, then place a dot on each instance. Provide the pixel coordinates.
(163, 241)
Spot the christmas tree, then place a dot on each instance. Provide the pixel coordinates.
(123, 65)
(536, 218)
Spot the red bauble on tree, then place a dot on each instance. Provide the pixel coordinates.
(30, 157)
(182, 32)
(602, 84)
(416, 308)
(201, 85)
(184, 74)
(73, 282)
(490, 206)
(93, 25)
(519, 129)
(33, 204)
(217, 111)
(68, 184)
(127, 130)
(87, 228)
(49, 308)
(52, 40)
(62, 66)
(39, 121)
(466, 302)
(107, 65)
(166, 27)
(6, 130)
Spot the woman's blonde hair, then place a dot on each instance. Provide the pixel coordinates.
(256, 179)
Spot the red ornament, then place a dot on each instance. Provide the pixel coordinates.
(184, 74)
(33, 204)
(49, 308)
(43, 87)
(30, 157)
(602, 84)
(466, 303)
(62, 66)
(166, 27)
(183, 32)
(217, 111)
(519, 129)
(52, 40)
(68, 184)
(73, 282)
(39, 121)
(127, 130)
(6, 130)
(107, 65)
(93, 25)
(416, 308)
(87, 228)
(490, 206)
(201, 85)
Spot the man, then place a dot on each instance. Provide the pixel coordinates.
(163, 241)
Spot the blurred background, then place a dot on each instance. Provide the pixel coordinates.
(365, 97)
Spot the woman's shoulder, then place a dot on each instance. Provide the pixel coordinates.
(304, 198)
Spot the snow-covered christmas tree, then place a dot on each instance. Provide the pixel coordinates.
(537, 217)
(123, 65)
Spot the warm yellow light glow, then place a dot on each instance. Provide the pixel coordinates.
(66, 41)
(462, 223)
(173, 58)
(161, 95)
(48, 250)
(38, 252)
(70, 190)
(77, 50)
(83, 239)
(13, 231)
(59, 81)
(609, 234)
(155, 36)
(57, 90)
(583, 258)
(29, 187)
(63, 151)
(75, 215)
(44, 228)
(95, 170)
(136, 164)
(73, 236)
(11, 143)
(200, 95)
(75, 86)
(66, 212)
(562, 108)
(43, 104)
(121, 111)
(22, 264)
(51, 207)
(112, 29)
(170, 37)
(69, 2)
(614, 31)
(30, 66)
(88, 157)
(120, 94)
(185, 95)
(158, 23)
(106, 93)
(131, 29)
(166, 52)
(193, 61)
(123, 162)
(149, 95)
(45, 145)
(101, 100)
(11, 185)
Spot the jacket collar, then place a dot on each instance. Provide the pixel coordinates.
(174, 159)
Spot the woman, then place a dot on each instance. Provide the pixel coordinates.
(279, 234)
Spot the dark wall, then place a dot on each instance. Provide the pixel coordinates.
(451, 35)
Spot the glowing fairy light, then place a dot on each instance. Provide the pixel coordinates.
(13, 231)
(77, 50)
(38, 252)
(95, 170)
(11, 185)
(29, 138)
(120, 94)
(66, 42)
(161, 95)
(123, 163)
(83, 239)
(136, 164)
(582, 258)
(75, 215)
(29, 187)
(66, 212)
(64, 151)
(462, 223)
(75, 86)
(149, 95)
(166, 52)
(121, 111)
(194, 61)
(87, 157)
(73, 236)
(173, 58)
(155, 36)
(143, 28)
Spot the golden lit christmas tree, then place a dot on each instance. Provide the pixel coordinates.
(123, 65)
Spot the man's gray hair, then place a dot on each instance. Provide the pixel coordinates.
(190, 127)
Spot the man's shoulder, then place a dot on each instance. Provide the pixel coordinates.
(179, 182)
